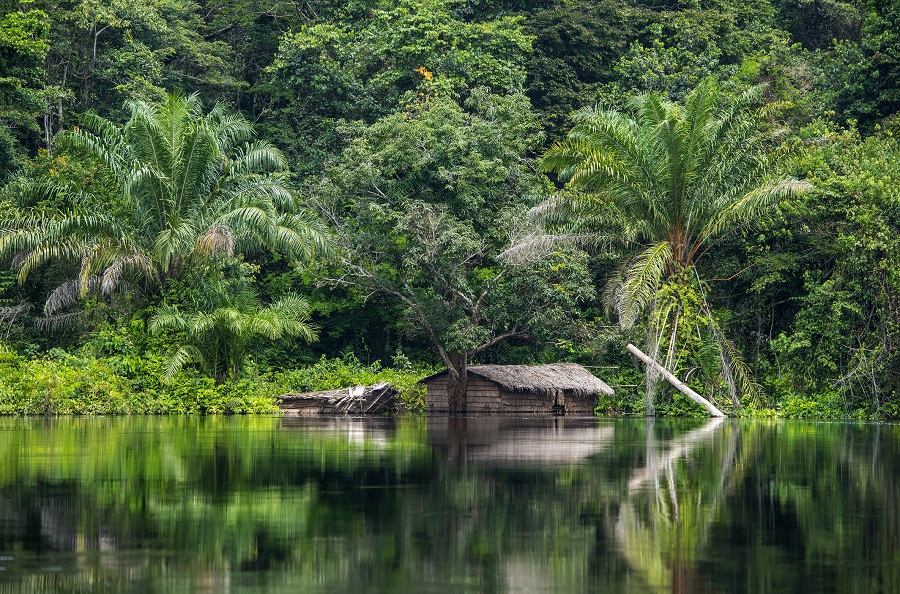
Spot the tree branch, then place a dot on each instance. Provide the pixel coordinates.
(497, 339)
(224, 29)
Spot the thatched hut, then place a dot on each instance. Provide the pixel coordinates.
(560, 388)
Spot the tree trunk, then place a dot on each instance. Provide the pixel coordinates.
(677, 383)
(457, 382)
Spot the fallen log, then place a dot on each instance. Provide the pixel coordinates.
(677, 383)
(358, 400)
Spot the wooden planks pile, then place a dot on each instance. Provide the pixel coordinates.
(359, 400)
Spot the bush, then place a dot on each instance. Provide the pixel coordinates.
(821, 406)
(63, 383)
(122, 381)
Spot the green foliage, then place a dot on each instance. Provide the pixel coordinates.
(412, 126)
(822, 406)
(23, 48)
(860, 60)
(400, 52)
(840, 266)
(676, 404)
(628, 397)
(676, 58)
(64, 383)
(224, 322)
(576, 44)
(425, 202)
(103, 53)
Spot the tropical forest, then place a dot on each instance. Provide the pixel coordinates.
(209, 203)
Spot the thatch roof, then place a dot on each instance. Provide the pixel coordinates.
(540, 379)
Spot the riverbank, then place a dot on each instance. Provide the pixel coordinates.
(65, 383)
(62, 383)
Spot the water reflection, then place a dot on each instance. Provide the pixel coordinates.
(664, 521)
(491, 504)
(514, 440)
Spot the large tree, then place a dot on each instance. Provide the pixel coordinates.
(363, 62)
(192, 184)
(665, 183)
(425, 201)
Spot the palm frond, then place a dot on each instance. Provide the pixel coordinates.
(69, 293)
(115, 273)
(178, 359)
(640, 283)
(218, 240)
(258, 157)
(736, 372)
(167, 318)
(749, 209)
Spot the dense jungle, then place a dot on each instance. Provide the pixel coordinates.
(206, 204)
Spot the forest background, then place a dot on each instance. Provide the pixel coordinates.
(367, 167)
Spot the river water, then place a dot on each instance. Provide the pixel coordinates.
(358, 505)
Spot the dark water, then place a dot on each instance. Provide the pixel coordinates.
(447, 505)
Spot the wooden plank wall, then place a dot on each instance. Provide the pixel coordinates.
(580, 405)
(483, 396)
(517, 402)
(436, 396)
(526, 402)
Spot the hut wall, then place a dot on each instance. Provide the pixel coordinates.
(436, 395)
(526, 402)
(580, 405)
(482, 395)
(530, 402)
(487, 396)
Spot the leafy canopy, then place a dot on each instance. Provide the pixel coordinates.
(425, 201)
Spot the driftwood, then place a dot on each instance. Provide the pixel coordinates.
(358, 400)
(677, 383)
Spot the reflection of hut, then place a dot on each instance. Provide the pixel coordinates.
(559, 388)
(501, 439)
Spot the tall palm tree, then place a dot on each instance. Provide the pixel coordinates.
(666, 182)
(194, 185)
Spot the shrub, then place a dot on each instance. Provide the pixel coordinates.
(63, 383)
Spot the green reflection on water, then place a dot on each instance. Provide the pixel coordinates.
(447, 505)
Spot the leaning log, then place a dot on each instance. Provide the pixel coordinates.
(677, 383)
(358, 400)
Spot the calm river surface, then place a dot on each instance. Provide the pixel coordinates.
(407, 505)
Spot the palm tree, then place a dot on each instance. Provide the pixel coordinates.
(220, 334)
(666, 183)
(194, 185)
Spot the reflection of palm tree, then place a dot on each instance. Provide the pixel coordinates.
(660, 536)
